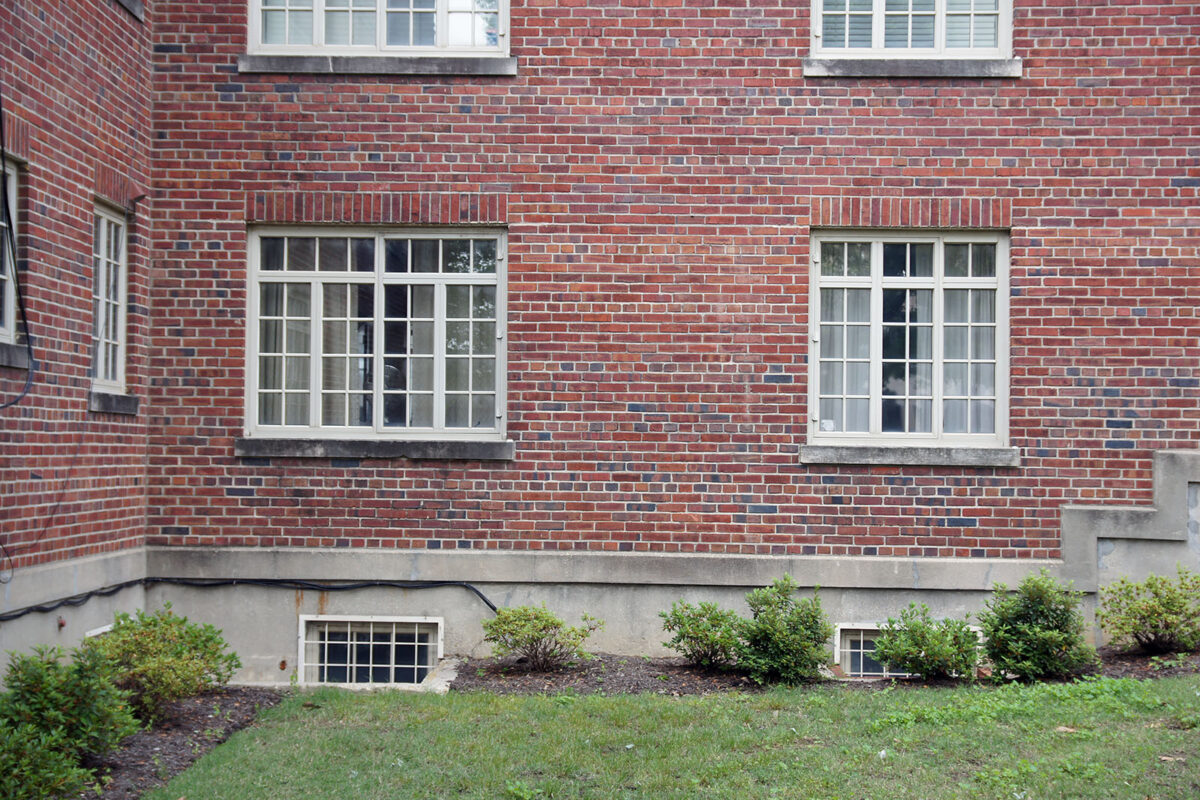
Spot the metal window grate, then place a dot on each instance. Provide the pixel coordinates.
(369, 651)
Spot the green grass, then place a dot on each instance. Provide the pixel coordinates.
(1127, 739)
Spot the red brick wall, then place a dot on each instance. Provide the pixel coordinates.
(76, 82)
(659, 167)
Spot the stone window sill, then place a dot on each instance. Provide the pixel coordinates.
(447, 66)
(346, 448)
(912, 456)
(135, 7)
(109, 403)
(14, 355)
(912, 67)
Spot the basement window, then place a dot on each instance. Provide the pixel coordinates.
(367, 652)
(855, 653)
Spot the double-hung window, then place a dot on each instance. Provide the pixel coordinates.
(8, 258)
(385, 27)
(910, 339)
(368, 334)
(108, 302)
(912, 28)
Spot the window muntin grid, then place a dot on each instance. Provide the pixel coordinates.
(368, 651)
(909, 337)
(8, 259)
(390, 334)
(912, 28)
(359, 27)
(108, 301)
(857, 655)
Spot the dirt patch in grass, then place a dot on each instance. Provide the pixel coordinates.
(190, 729)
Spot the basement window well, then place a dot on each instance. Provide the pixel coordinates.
(368, 652)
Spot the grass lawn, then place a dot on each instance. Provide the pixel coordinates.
(1097, 739)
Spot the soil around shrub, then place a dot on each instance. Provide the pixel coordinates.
(190, 728)
(194, 726)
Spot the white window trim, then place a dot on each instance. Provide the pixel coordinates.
(361, 433)
(839, 651)
(255, 45)
(875, 282)
(8, 269)
(938, 52)
(116, 384)
(302, 666)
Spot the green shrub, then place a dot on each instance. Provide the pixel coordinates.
(916, 643)
(77, 702)
(1036, 632)
(161, 657)
(36, 764)
(1159, 614)
(705, 635)
(785, 639)
(538, 636)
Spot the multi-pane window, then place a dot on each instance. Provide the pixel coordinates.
(907, 28)
(910, 339)
(108, 301)
(366, 334)
(364, 26)
(856, 654)
(365, 651)
(8, 263)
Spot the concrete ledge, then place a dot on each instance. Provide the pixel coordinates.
(912, 456)
(135, 7)
(107, 403)
(374, 448)
(447, 66)
(540, 567)
(912, 67)
(14, 355)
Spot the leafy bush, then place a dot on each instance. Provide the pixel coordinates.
(161, 657)
(538, 636)
(916, 643)
(705, 635)
(785, 638)
(36, 764)
(1159, 614)
(1036, 632)
(76, 705)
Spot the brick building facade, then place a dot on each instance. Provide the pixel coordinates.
(601, 304)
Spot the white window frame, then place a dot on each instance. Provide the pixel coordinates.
(878, 51)
(841, 653)
(256, 46)
(8, 267)
(315, 430)
(875, 437)
(104, 220)
(302, 639)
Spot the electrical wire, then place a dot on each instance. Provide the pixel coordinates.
(208, 583)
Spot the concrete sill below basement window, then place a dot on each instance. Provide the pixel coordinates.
(345, 448)
(109, 403)
(912, 67)
(446, 66)
(14, 355)
(912, 456)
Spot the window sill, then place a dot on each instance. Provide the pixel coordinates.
(448, 66)
(374, 448)
(912, 456)
(912, 67)
(14, 355)
(110, 403)
(135, 7)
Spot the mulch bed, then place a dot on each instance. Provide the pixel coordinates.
(190, 729)
(196, 725)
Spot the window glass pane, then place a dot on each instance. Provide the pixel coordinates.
(895, 305)
(893, 379)
(295, 409)
(270, 409)
(956, 305)
(458, 410)
(858, 259)
(483, 338)
(983, 416)
(831, 305)
(483, 373)
(297, 336)
(459, 30)
(398, 26)
(832, 258)
(858, 377)
(983, 260)
(983, 304)
(958, 30)
(333, 409)
(270, 336)
(954, 416)
(922, 31)
(333, 255)
(920, 343)
(337, 27)
(831, 414)
(983, 379)
(395, 410)
(422, 374)
(831, 377)
(833, 34)
(302, 254)
(892, 414)
(859, 31)
(986, 31)
(270, 372)
(835, 5)
(271, 300)
(421, 335)
(295, 372)
(858, 305)
(333, 373)
(485, 256)
(421, 411)
(954, 379)
(395, 373)
(955, 342)
(893, 341)
(300, 27)
(920, 379)
(983, 342)
(958, 5)
(956, 260)
(858, 415)
(920, 306)
(920, 416)
(831, 341)
(424, 31)
(458, 337)
(422, 302)
(922, 260)
(395, 255)
(359, 411)
(456, 255)
(483, 411)
(424, 255)
(458, 376)
(458, 302)
(364, 28)
(858, 341)
(274, 27)
(895, 31)
(483, 305)
(270, 253)
(894, 260)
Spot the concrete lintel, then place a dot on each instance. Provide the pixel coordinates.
(912, 67)
(912, 456)
(375, 448)
(539, 567)
(446, 66)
